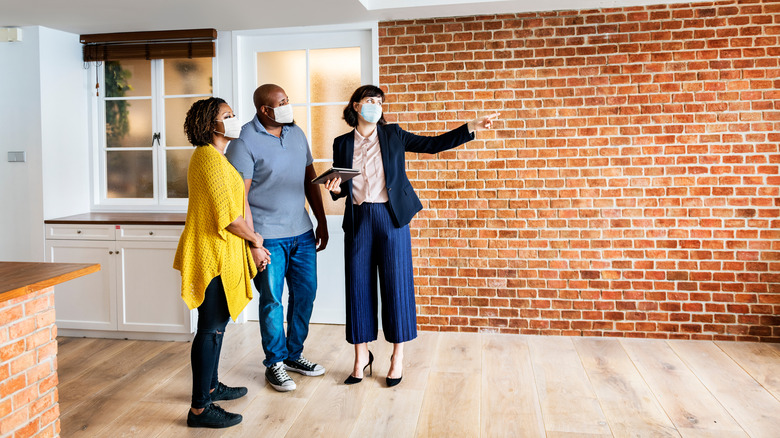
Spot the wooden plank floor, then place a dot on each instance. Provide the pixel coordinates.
(455, 385)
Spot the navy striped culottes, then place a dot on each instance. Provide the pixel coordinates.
(376, 245)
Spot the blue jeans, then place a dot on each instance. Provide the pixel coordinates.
(293, 259)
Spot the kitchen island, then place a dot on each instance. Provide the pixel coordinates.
(28, 345)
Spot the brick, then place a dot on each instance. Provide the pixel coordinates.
(25, 396)
(28, 430)
(13, 421)
(22, 362)
(575, 202)
(12, 350)
(9, 314)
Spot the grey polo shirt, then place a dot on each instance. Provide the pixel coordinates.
(277, 167)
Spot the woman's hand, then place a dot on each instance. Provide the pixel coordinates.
(481, 123)
(262, 258)
(334, 185)
(258, 242)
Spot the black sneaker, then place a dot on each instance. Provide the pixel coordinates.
(214, 417)
(304, 366)
(224, 392)
(277, 377)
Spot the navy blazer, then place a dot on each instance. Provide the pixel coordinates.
(394, 142)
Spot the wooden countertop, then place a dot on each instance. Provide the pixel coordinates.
(122, 219)
(21, 278)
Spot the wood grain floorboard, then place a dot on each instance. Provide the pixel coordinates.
(755, 409)
(626, 399)
(692, 408)
(568, 402)
(455, 385)
(508, 389)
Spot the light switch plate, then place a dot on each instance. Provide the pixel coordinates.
(17, 157)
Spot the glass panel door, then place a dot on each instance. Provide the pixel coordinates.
(318, 71)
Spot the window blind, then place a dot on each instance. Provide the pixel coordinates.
(189, 43)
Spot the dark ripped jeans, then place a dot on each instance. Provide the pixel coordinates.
(213, 317)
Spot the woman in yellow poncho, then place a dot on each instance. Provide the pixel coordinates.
(214, 255)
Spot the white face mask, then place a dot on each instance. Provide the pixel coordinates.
(283, 114)
(232, 127)
(371, 112)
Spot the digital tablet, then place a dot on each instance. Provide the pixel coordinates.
(333, 172)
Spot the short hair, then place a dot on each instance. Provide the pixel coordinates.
(260, 96)
(201, 119)
(350, 115)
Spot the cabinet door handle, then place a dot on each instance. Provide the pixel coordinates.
(116, 252)
(111, 252)
(78, 231)
(151, 233)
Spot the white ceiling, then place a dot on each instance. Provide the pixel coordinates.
(98, 16)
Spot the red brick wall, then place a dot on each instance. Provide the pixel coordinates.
(28, 366)
(631, 185)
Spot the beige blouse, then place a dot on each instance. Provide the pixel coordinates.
(369, 186)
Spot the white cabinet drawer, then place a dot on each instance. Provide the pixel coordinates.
(149, 233)
(80, 232)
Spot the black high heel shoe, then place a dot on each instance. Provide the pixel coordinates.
(351, 380)
(392, 382)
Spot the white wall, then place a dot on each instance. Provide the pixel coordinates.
(65, 125)
(21, 189)
(43, 113)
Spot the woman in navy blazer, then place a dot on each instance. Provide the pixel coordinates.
(376, 224)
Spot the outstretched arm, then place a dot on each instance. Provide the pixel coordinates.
(448, 140)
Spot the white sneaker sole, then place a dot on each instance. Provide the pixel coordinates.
(304, 372)
(282, 388)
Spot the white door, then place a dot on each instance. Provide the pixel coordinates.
(318, 70)
(87, 302)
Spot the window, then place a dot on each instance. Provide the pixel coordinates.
(143, 151)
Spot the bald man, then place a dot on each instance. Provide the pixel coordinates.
(273, 156)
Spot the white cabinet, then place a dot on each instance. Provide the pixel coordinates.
(137, 293)
(87, 302)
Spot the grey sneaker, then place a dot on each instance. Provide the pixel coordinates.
(277, 377)
(304, 366)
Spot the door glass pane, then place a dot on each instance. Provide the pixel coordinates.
(326, 124)
(128, 123)
(301, 117)
(335, 74)
(176, 163)
(175, 111)
(129, 174)
(286, 69)
(131, 77)
(187, 76)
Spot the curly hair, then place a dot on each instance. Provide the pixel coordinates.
(201, 119)
(350, 115)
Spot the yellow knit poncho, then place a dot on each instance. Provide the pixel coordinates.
(206, 249)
